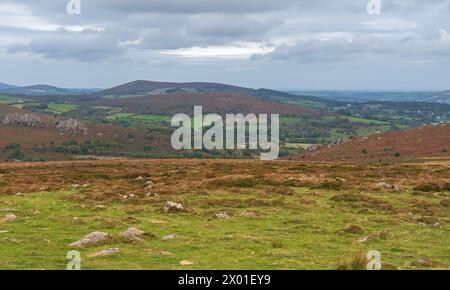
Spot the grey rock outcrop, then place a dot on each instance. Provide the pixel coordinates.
(91, 239)
(22, 119)
(71, 125)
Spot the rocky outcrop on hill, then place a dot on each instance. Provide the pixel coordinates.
(22, 119)
(71, 125)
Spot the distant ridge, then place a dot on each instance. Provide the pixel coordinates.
(4, 86)
(428, 141)
(41, 90)
(142, 87)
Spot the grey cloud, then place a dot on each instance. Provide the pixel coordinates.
(82, 46)
(228, 25)
(135, 31)
(383, 48)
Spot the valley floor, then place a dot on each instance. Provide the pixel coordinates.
(238, 214)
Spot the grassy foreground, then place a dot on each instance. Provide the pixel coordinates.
(282, 215)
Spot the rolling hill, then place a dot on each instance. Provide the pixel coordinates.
(30, 136)
(150, 88)
(4, 87)
(430, 141)
(141, 87)
(133, 120)
(440, 97)
(42, 90)
(213, 102)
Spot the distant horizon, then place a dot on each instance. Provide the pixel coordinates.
(400, 90)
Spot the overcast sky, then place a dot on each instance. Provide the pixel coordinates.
(280, 44)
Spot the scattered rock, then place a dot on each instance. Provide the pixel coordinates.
(91, 239)
(71, 125)
(342, 180)
(387, 186)
(133, 234)
(10, 217)
(22, 119)
(139, 178)
(351, 229)
(150, 183)
(362, 240)
(151, 194)
(222, 216)
(104, 253)
(186, 263)
(171, 206)
(169, 237)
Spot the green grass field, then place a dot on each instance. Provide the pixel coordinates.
(294, 232)
(118, 116)
(153, 118)
(61, 108)
(356, 120)
(7, 100)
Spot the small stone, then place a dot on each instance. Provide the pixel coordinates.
(186, 263)
(171, 206)
(91, 239)
(222, 216)
(104, 253)
(149, 183)
(169, 237)
(388, 186)
(139, 178)
(362, 240)
(133, 234)
(10, 217)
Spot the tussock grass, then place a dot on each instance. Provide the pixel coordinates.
(271, 225)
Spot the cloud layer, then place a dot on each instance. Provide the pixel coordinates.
(247, 42)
